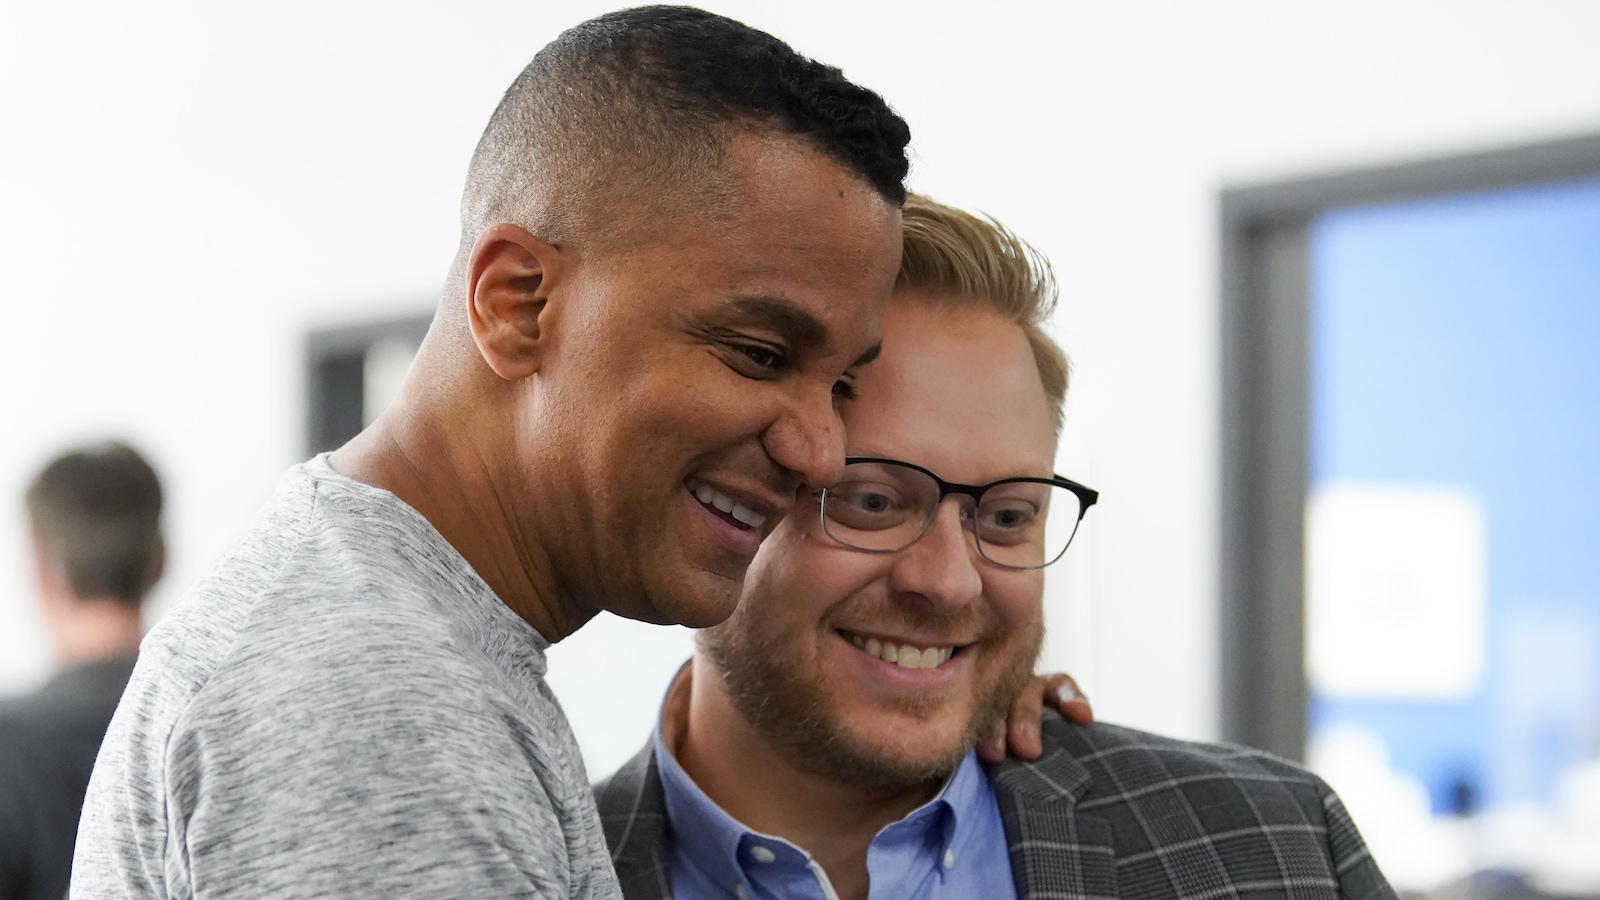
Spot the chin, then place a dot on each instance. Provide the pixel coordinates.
(899, 757)
(694, 600)
(930, 745)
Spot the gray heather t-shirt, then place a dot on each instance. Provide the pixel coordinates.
(341, 708)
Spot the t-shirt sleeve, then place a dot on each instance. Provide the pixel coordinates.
(388, 769)
(353, 778)
(121, 839)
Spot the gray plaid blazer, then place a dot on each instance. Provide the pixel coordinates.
(1105, 812)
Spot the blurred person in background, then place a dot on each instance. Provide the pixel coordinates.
(94, 515)
(677, 239)
(821, 742)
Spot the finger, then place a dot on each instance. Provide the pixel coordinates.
(1068, 698)
(992, 743)
(1022, 725)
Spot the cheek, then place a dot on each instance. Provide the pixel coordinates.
(696, 408)
(800, 579)
(1017, 599)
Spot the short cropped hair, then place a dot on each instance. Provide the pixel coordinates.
(964, 259)
(636, 105)
(95, 511)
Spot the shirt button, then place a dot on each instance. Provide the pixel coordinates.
(742, 892)
(949, 859)
(762, 854)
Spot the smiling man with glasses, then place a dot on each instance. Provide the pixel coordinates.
(821, 742)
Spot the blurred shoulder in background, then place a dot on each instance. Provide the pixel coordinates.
(94, 516)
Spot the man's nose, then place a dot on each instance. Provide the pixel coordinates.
(808, 440)
(942, 566)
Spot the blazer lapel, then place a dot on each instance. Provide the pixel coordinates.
(633, 811)
(1057, 853)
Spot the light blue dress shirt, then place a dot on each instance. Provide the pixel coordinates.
(951, 848)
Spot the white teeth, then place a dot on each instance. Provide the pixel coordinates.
(710, 496)
(905, 656)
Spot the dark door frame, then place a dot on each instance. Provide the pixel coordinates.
(335, 382)
(1265, 400)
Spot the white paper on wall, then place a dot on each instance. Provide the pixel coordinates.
(1395, 583)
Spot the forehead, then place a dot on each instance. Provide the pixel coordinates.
(956, 391)
(777, 226)
(782, 200)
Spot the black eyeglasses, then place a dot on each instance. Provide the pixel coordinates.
(885, 505)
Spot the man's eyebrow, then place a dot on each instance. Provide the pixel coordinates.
(872, 353)
(783, 316)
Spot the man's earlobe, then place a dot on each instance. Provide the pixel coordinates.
(509, 279)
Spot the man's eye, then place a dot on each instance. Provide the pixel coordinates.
(844, 389)
(763, 356)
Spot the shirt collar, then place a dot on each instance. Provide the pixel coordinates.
(712, 839)
(701, 830)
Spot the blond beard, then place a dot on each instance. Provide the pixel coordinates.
(763, 681)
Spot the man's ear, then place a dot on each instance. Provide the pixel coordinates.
(509, 279)
(160, 567)
(49, 580)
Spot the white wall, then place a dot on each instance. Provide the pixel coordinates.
(186, 187)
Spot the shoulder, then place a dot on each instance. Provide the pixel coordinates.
(1126, 776)
(1115, 755)
(324, 688)
(330, 644)
(376, 664)
(383, 736)
(634, 790)
(356, 658)
(337, 599)
(633, 814)
(1128, 772)
(1167, 812)
(1104, 765)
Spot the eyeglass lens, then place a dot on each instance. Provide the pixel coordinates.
(885, 507)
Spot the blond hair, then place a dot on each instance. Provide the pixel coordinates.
(960, 258)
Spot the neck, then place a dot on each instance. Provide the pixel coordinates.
(87, 630)
(434, 464)
(753, 781)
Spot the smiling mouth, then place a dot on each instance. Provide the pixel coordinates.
(906, 656)
(725, 507)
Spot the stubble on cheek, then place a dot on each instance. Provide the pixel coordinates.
(784, 698)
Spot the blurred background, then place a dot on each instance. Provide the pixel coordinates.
(223, 227)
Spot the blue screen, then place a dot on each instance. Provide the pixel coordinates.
(1457, 342)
